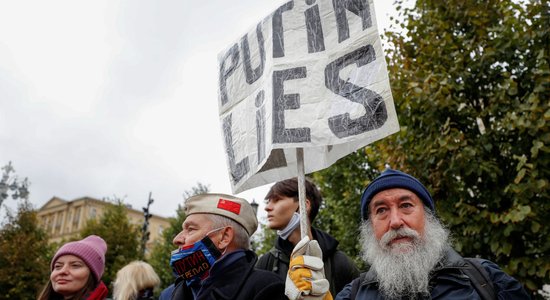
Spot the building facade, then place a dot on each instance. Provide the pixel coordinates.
(63, 220)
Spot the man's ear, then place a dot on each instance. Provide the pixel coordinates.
(227, 237)
(308, 206)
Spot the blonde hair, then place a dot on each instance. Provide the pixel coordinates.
(132, 278)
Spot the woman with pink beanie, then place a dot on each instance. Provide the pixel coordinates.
(77, 268)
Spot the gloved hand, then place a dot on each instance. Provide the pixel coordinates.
(306, 273)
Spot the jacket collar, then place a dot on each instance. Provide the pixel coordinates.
(241, 269)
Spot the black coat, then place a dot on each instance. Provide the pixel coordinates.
(339, 269)
(237, 281)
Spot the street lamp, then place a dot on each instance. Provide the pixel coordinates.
(254, 206)
(145, 229)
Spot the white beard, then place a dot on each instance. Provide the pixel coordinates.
(403, 269)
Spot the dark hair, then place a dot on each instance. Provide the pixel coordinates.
(289, 188)
(48, 292)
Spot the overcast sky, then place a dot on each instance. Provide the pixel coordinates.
(111, 98)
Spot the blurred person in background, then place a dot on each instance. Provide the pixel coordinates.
(135, 281)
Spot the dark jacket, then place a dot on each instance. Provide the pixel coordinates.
(447, 281)
(166, 294)
(339, 269)
(237, 281)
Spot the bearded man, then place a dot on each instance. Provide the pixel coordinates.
(409, 251)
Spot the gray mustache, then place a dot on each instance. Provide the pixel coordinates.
(399, 233)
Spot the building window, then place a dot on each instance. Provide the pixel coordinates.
(49, 227)
(93, 213)
(59, 221)
(76, 218)
(68, 222)
(161, 229)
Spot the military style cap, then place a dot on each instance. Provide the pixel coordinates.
(237, 209)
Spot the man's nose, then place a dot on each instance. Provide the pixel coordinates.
(179, 239)
(396, 220)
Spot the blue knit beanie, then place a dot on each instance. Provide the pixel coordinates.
(394, 179)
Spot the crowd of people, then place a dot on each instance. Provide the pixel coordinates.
(405, 244)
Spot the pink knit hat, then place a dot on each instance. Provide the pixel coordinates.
(91, 250)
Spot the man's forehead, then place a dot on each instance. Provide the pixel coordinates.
(398, 194)
(276, 196)
(197, 219)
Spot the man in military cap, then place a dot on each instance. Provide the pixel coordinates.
(213, 259)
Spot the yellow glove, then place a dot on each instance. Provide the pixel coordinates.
(306, 274)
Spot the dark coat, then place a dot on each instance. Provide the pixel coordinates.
(237, 281)
(448, 281)
(339, 269)
(166, 294)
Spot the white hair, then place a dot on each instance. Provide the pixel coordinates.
(240, 237)
(404, 269)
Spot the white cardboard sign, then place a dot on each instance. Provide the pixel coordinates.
(310, 75)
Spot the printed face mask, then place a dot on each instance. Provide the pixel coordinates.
(195, 261)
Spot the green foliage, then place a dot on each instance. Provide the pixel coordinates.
(471, 84)
(25, 258)
(160, 254)
(196, 190)
(264, 240)
(11, 186)
(122, 238)
(341, 186)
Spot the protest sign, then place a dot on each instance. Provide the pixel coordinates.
(311, 75)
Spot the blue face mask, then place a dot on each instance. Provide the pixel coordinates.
(292, 224)
(194, 262)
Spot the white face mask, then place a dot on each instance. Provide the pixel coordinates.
(293, 224)
(213, 230)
